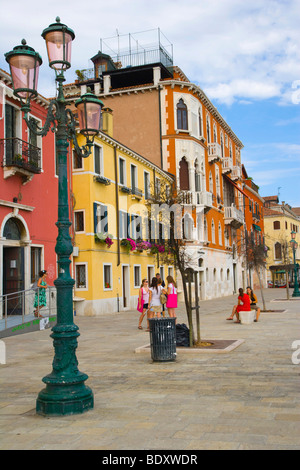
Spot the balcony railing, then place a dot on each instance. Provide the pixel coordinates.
(227, 165)
(236, 173)
(15, 152)
(197, 198)
(234, 216)
(214, 152)
(136, 192)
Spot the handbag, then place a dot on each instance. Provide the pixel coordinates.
(163, 299)
(140, 305)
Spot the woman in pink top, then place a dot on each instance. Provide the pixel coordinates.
(172, 297)
(143, 295)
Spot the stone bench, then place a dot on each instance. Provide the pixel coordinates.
(248, 317)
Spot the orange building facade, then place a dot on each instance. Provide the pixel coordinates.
(159, 113)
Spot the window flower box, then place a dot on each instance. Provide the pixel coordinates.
(105, 238)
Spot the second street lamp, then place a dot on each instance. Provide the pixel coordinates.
(294, 246)
(65, 392)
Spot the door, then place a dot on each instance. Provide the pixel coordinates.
(13, 277)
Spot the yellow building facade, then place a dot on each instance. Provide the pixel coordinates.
(111, 196)
(279, 222)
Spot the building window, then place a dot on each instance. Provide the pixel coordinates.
(36, 262)
(171, 271)
(100, 218)
(182, 119)
(137, 276)
(98, 160)
(136, 226)
(79, 221)
(215, 134)
(200, 123)
(146, 184)
(184, 175)
(220, 234)
(107, 277)
(122, 171)
(123, 224)
(77, 161)
(276, 225)
(208, 129)
(133, 173)
(213, 232)
(278, 251)
(81, 276)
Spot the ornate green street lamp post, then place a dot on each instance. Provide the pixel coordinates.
(65, 392)
(294, 246)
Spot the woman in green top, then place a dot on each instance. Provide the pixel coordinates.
(40, 296)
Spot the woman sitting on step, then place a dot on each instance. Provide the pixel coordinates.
(244, 307)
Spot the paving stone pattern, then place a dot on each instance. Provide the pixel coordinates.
(246, 399)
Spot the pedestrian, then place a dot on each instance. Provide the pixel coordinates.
(154, 299)
(171, 296)
(40, 299)
(161, 283)
(253, 302)
(143, 302)
(245, 306)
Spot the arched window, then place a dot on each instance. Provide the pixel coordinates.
(208, 129)
(184, 175)
(222, 146)
(230, 150)
(213, 232)
(215, 133)
(220, 234)
(182, 119)
(200, 123)
(12, 230)
(211, 183)
(197, 176)
(205, 230)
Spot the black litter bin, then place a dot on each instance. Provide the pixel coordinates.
(163, 339)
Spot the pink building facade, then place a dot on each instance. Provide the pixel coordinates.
(28, 195)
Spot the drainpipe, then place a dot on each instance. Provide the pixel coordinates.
(117, 205)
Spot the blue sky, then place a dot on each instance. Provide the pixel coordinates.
(244, 55)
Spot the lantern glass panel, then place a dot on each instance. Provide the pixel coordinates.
(24, 71)
(59, 45)
(89, 118)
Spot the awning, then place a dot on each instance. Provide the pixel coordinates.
(256, 227)
(236, 186)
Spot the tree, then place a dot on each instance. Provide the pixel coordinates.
(168, 227)
(255, 255)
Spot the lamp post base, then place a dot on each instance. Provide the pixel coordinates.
(64, 399)
(65, 392)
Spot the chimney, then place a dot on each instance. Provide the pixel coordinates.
(107, 121)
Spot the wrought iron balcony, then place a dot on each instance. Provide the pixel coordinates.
(138, 193)
(18, 154)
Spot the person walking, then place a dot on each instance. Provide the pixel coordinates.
(154, 299)
(245, 306)
(143, 302)
(171, 296)
(253, 302)
(40, 299)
